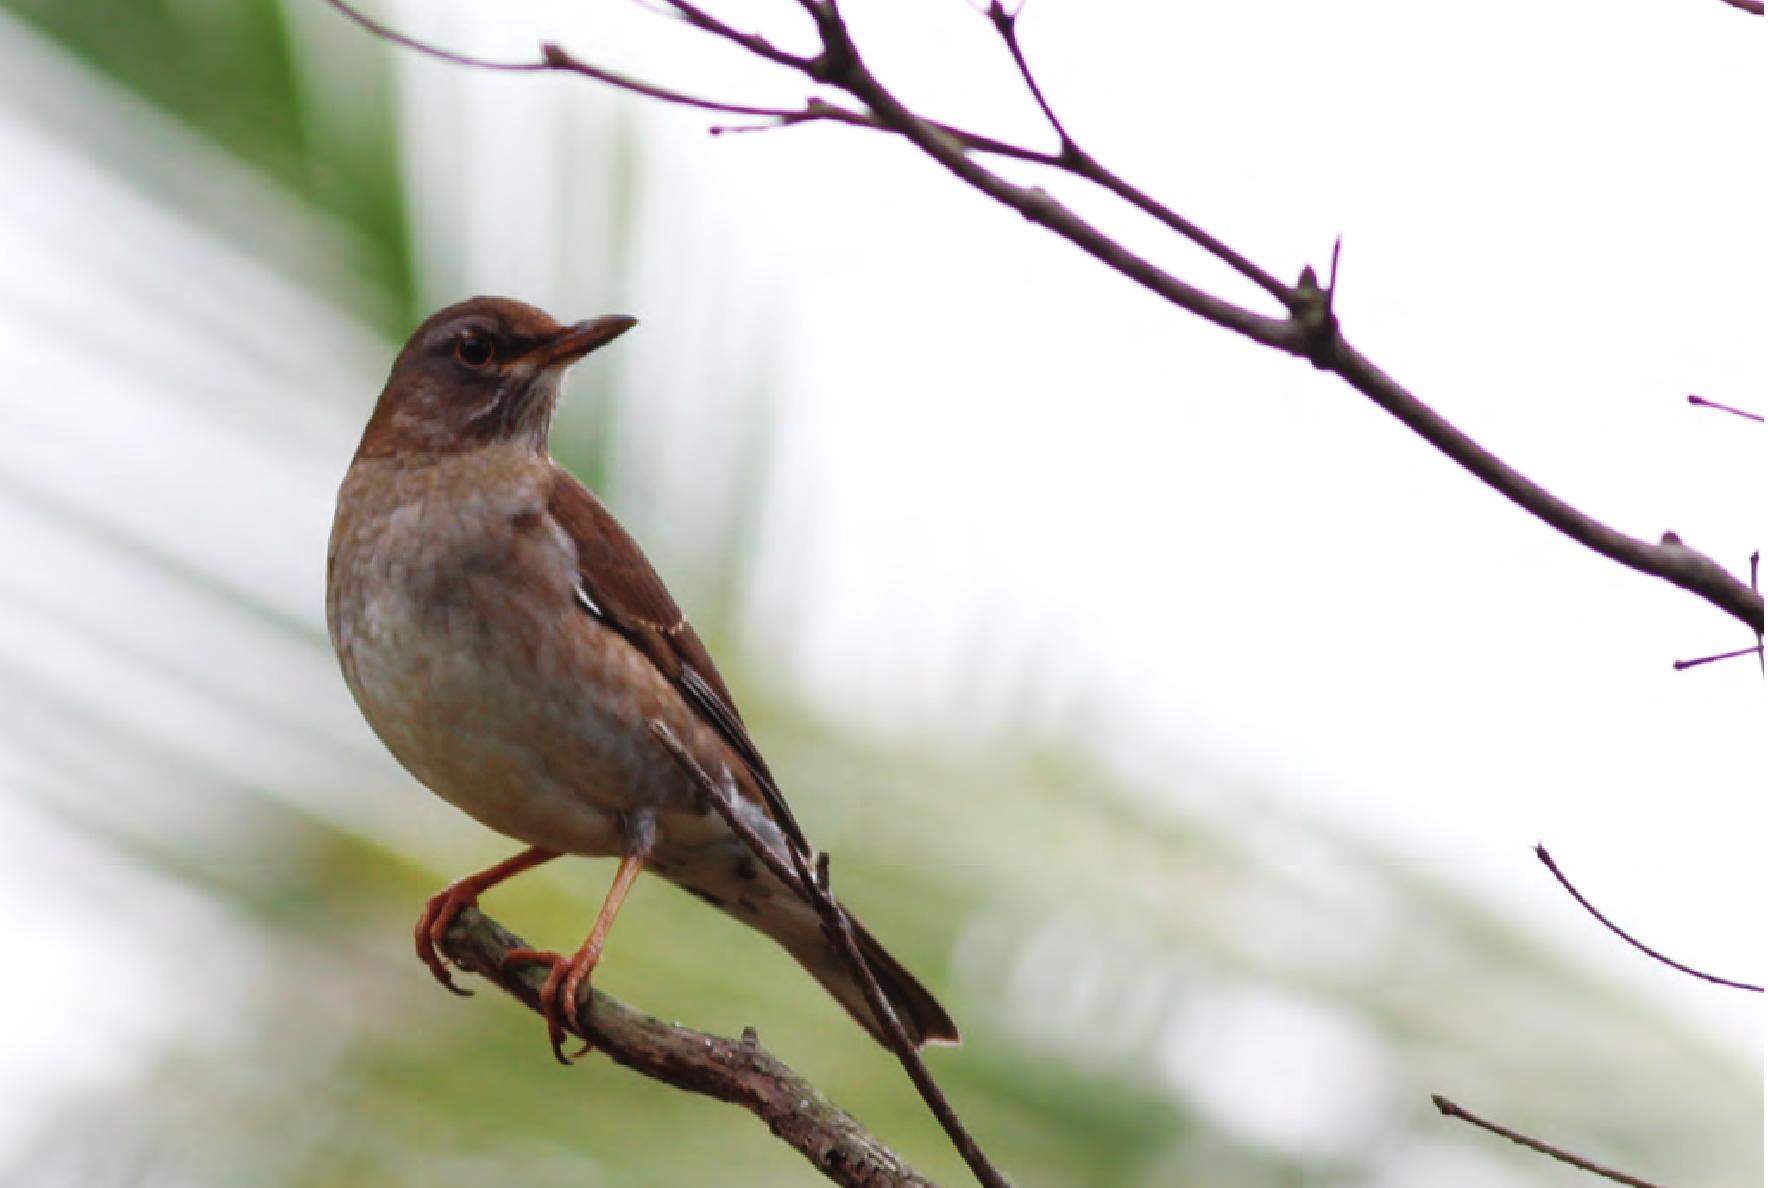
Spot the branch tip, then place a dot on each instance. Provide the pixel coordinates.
(1551, 865)
(1703, 402)
(1310, 312)
(1449, 1109)
(1685, 665)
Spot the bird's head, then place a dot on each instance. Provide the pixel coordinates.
(486, 370)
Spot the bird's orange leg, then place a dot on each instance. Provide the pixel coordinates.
(559, 995)
(444, 906)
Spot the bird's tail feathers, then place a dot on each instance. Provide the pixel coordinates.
(920, 1014)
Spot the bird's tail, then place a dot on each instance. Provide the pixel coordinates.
(915, 1008)
(720, 870)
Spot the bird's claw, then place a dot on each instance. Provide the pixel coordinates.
(557, 995)
(432, 926)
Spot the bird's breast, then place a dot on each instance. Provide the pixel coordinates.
(454, 618)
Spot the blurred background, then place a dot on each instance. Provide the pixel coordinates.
(1181, 719)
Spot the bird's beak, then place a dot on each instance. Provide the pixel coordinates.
(574, 342)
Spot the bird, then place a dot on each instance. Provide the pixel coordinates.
(511, 645)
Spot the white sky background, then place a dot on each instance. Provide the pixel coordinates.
(1007, 469)
(1006, 476)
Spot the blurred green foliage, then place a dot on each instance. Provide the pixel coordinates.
(229, 70)
(340, 1063)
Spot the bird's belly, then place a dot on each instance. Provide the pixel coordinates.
(512, 731)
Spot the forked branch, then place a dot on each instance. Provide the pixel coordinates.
(1295, 329)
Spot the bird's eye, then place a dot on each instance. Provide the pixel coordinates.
(475, 350)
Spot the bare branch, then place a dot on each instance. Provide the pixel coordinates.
(845, 70)
(1733, 654)
(1677, 563)
(1007, 25)
(737, 1071)
(555, 58)
(1076, 160)
(754, 43)
(388, 33)
(817, 893)
(1672, 561)
(1308, 331)
(1550, 864)
(816, 110)
(1703, 402)
(1450, 1110)
(1753, 7)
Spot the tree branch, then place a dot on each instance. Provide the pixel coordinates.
(1308, 330)
(738, 1071)
(1551, 865)
(1668, 559)
(1075, 160)
(1703, 402)
(553, 58)
(1449, 1109)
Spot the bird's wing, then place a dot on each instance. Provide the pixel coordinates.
(618, 586)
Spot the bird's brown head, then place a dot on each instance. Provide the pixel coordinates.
(483, 371)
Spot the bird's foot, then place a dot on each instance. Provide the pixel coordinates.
(439, 913)
(433, 925)
(558, 995)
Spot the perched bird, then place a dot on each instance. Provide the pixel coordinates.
(514, 649)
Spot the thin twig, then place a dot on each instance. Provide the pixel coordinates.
(1007, 25)
(1547, 860)
(1078, 161)
(1072, 159)
(1703, 402)
(820, 110)
(555, 58)
(737, 1071)
(388, 33)
(1037, 206)
(817, 893)
(1735, 653)
(1450, 1110)
(754, 43)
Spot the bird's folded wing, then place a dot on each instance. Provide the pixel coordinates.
(620, 587)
